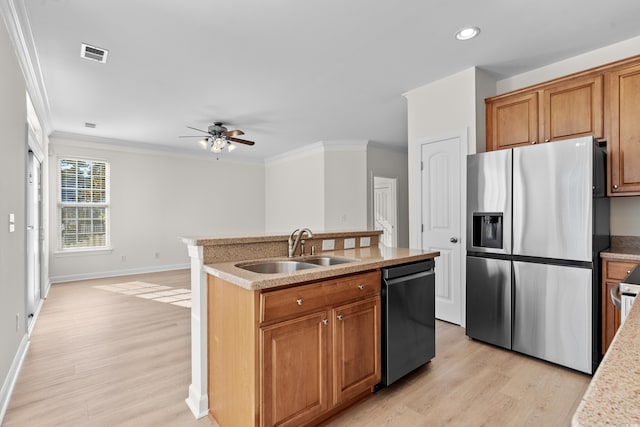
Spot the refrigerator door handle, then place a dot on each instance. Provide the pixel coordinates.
(614, 295)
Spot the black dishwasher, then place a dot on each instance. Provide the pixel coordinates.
(408, 318)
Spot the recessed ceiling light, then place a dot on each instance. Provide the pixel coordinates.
(467, 33)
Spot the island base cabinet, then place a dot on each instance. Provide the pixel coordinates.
(294, 371)
(356, 344)
(292, 356)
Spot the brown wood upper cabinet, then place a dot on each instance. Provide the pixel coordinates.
(554, 111)
(512, 121)
(623, 129)
(573, 108)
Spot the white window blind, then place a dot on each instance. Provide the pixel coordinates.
(83, 204)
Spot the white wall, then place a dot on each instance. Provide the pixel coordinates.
(447, 105)
(321, 186)
(625, 211)
(345, 181)
(156, 197)
(13, 166)
(390, 163)
(294, 190)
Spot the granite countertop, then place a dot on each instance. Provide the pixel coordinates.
(623, 248)
(613, 396)
(366, 259)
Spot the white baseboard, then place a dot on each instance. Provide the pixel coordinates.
(197, 403)
(12, 376)
(114, 273)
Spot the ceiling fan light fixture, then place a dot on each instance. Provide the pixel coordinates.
(219, 142)
(216, 149)
(204, 143)
(467, 33)
(231, 146)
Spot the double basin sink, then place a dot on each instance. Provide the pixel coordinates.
(289, 266)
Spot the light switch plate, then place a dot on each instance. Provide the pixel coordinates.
(12, 223)
(328, 245)
(349, 243)
(365, 242)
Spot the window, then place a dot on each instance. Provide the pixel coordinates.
(83, 204)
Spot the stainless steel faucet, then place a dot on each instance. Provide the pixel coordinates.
(293, 244)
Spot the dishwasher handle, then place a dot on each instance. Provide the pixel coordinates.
(405, 279)
(614, 296)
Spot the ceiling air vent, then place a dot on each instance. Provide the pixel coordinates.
(89, 125)
(93, 53)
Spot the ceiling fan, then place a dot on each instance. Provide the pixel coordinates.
(218, 137)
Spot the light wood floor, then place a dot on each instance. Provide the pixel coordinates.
(99, 358)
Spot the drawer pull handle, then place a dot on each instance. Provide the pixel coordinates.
(325, 322)
(361, 287)
(628, 271)
(299, 301)
(340, 317)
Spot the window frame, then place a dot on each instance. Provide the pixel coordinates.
(106, 205)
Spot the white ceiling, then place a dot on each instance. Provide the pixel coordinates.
(290, 72)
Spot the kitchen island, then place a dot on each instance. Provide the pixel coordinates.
(246, 330)
(613, 396)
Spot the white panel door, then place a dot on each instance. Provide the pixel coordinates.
(385, 210)
(441, 225)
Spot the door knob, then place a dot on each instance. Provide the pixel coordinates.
(453, 240)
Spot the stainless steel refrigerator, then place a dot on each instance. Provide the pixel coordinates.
(537, 219)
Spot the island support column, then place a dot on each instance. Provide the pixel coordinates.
(198, 401)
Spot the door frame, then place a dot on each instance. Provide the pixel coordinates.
(393, 182)
(32, 146)
(415, 205)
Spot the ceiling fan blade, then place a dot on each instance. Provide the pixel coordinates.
(241, 141)
(234, 132)
(199, 130)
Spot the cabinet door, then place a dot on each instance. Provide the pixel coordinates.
(356, 348)
(512, 121)
(574, 109)
(294, 370)
(623, 138)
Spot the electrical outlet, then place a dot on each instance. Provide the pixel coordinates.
(365, 242)
(124, 258)
(12, 223)
(328, 245)
(350, 243)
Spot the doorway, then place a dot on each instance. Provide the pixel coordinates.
(441, 204)
(385, 207)
(35, 237)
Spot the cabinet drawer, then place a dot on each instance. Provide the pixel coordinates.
(306, 298)
(617, 270)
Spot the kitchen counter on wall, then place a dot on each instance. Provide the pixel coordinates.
(612, 398)
(623, 248)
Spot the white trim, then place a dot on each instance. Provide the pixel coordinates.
(61, 139)
(19, 29)
(416, 218)
(317, 148)
(198, 394)
(114, 273)
(12, 376)
(399, 148)
(36, 313)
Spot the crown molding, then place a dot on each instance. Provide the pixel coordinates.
(317, 148)
(89, 142)
(15, 17)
